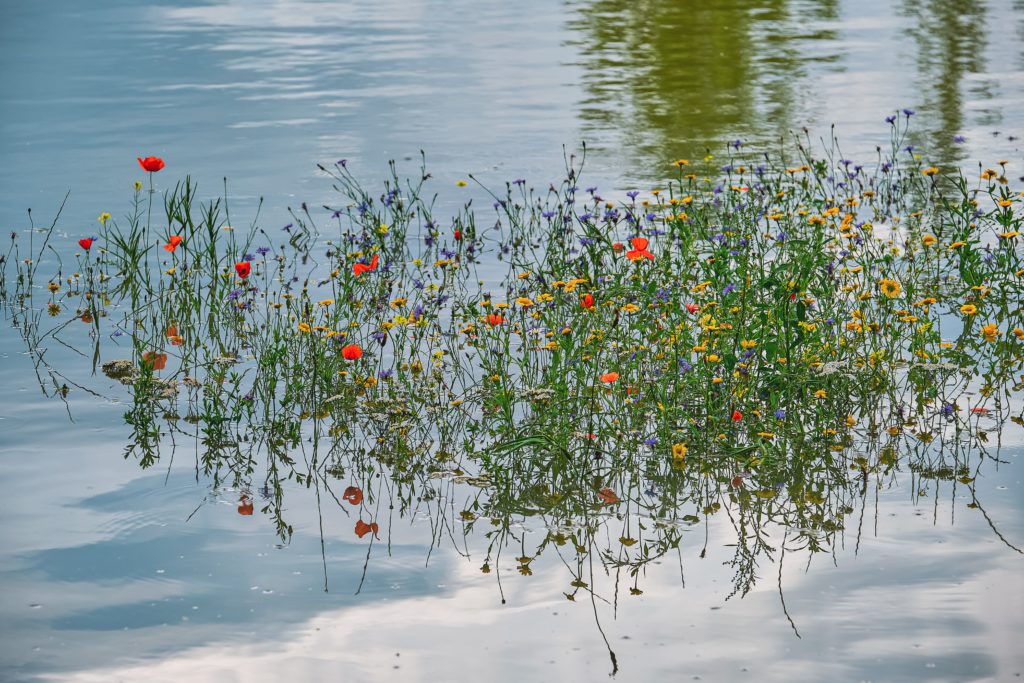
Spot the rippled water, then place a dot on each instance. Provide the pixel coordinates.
(106, 577)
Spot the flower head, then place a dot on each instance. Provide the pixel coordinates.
(151, 164)
(172, 243)
(352, 352)
(890, 288)
(243, 268)
(639, 250)
(360, 268)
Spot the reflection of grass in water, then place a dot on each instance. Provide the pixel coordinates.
(773, 350)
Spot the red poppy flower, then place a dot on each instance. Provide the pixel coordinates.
(157, 361)
(495, 319)
(587, 301)
(243, 268)
(351, 352)
(639, 250)
(151, 164)
(618, 246)
(362, 528)
(353, 495)
(458, 235)
(85, 244)
(609, 377)
(360, 268)
(172, 242)
(172, 331)
(692, 308)
(737, 416)
(245, 506)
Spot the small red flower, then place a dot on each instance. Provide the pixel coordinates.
(692, 308)
(245, 506)
(172, 242)
(151, 164)
(610, 377)
(639, 250)
(353, 495)
(618, 246)
(458, 235)
(587, 301)
(495, 319)
(362, 528)
(360, 268)
(243, 268)
(608, 496)
(157, 361)
(352, 352)
(737, 416)
(85, 244)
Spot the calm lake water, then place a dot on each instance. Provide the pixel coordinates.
(108, 575)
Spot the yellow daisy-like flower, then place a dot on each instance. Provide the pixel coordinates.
(53, 286)
(968, 309)
(929, 240)
(137, 185)
(820, 393)
(524, 301)
(890, 288)
(304, 328)
(930, 171)
(748, 344)
(990, 332)
(104, 217)
(957, 245)
(678, 451)
(326, 302)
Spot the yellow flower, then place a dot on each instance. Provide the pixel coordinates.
(957, 245)
(968, 309)
(890, 288)
(712, 358)
(524, 301)
(990, 332)
(304, 328)
(326, 302)
(53, 286)
(930, 171)
(383, 228)
(630, 308)
(1009, 235)
(748, 344)
(104, 217)
(678, 451)
(929, 240)
(137, 185)
(170, 271)
(461, 183)
(820, 393)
